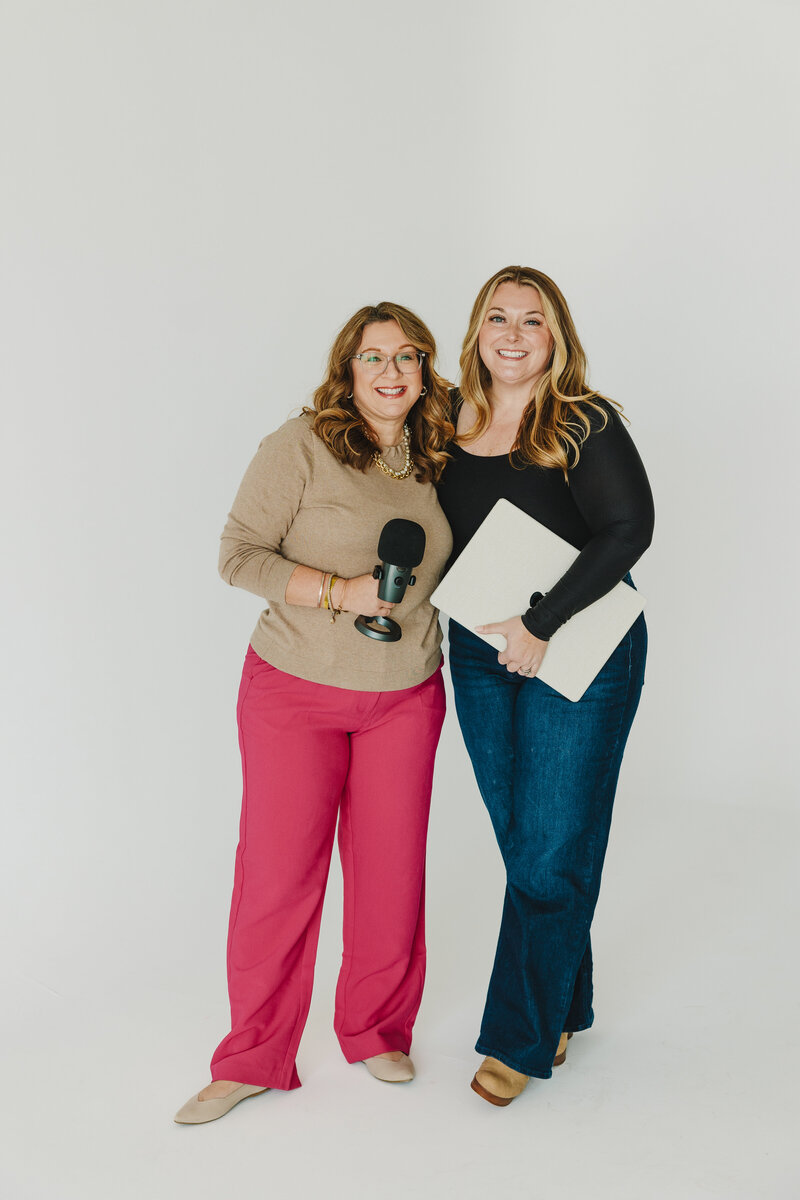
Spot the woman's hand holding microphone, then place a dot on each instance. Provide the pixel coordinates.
(308, 587)
(360, 595)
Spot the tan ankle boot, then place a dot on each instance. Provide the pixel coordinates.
(561, 1052)
(497, 1083)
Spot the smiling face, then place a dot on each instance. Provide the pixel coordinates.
(514, 342)
(386, 399)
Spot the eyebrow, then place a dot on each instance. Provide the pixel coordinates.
(407, 346)
(532, 312)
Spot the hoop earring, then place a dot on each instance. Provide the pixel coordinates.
(350, 397)
(424, 392)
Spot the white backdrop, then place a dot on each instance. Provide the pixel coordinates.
(196, 196)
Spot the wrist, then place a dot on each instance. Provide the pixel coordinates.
(529, 623)
(532, 619)
(338, 594)
(322, 586)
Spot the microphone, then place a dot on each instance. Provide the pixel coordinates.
(401, 547)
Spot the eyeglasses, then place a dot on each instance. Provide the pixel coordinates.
(407, 361)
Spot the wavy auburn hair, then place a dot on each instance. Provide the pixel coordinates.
(555, 423)
(341, 426)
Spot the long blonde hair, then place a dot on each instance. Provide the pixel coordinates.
(555, 423)
(338, 422)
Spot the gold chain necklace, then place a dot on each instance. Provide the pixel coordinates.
(409, 464)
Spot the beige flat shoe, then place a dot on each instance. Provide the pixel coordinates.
(497, 1083)
(401, 1071)
(197, 1111)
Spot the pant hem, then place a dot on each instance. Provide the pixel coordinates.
(506, 1059)
(282, 1081)
(357, 1051)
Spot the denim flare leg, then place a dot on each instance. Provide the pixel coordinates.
(547, 770)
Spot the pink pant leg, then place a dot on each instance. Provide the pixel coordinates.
(294, 764)
(382, 833)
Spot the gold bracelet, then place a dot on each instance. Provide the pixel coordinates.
(321, 589)
(328, 598)
(336, 609)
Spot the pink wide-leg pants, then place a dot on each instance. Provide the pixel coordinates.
(310, 753)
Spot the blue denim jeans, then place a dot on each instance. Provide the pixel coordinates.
(547, 770)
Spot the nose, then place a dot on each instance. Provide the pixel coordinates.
(391, 369)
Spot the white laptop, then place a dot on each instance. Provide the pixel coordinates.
(512, 555)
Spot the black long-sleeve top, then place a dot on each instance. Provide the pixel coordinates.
(604, 509)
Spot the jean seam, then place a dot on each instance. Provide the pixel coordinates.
(567, 1000)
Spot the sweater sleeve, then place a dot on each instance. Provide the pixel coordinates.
(611, 490)
(268, 500)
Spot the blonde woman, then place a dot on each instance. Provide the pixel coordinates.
(323, 711)
(528, 428)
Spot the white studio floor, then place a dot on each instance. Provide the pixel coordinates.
(684, 1088)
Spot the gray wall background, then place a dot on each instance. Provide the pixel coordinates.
(196, 196)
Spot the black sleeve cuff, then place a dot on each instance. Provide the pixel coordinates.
(539, 620)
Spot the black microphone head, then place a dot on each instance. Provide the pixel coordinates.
(402, 543)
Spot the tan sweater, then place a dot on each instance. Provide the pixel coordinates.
(298, 504)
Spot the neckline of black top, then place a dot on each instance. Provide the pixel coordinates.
(480, 457)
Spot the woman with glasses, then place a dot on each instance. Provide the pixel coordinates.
(333, 723)
(528, 429)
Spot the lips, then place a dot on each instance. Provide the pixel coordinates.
(391, 393)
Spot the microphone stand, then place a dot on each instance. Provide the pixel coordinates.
(387, 631)
(394, 581)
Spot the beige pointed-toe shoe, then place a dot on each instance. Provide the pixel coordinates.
(389, 1071)
(197, 1111)
(497, 1083)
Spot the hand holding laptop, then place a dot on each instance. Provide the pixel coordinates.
(510, 555)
